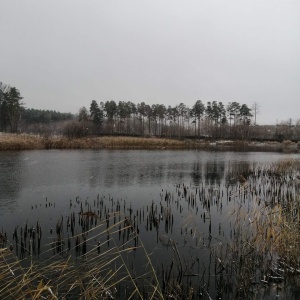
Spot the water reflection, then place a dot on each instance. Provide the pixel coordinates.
(114, 168)
(25, 172)
(27, 176)
(196, 174)
(11, 179)
(214, 172)
(236, 169)
(183, 191)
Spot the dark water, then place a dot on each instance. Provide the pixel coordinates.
(27, 177)
(46, 186)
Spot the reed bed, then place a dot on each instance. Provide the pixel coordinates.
(26, 141)
(264, 249)
(96, 272)
(21, 142)
(29, 142)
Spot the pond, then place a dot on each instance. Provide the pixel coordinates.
(179, 203)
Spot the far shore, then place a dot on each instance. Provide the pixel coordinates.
(37, 142)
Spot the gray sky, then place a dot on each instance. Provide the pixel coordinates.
(61, 54)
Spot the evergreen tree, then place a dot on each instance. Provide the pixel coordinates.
(245, 114)
(96, 115)
(10, 107)
(111, 110)
(197, 112)
(83, 115)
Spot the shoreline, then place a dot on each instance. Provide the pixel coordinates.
(36, 142)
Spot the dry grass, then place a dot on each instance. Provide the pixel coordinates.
(108, 142)
(277, 232)
(287, 142)
(21, 142)
(25, 141)
(28, 141)
(276, 224)
(105, 274)
(264, 247)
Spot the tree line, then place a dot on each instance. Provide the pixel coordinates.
(211, 119)
(127, 118)
(40, 116)
(15, 117)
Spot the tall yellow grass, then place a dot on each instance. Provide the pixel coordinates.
(26, 141)
(94, 275)
(20, 142)
(30, 142)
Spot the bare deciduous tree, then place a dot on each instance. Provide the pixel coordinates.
(256, 110)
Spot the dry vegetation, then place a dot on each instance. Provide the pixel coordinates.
(96, 274)
(20, 142)
(30, 142)
(265, 247)
(25, 141)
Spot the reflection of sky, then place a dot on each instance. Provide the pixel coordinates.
(47, 184)
(12, 166)
(29, 175)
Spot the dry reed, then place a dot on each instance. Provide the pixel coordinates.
(95, 274)
(26, 141)
(265, 244)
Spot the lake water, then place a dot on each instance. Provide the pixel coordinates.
(27, 177)
(157, 190)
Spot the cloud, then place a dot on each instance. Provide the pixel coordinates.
(63, 54)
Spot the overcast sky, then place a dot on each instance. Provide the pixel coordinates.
(61, 54)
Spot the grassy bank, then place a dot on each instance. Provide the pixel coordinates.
(31, 142)
(24, 142)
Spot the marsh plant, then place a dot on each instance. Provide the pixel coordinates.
(49, 141)
(101, 270)
(264, 250)
(100, 253)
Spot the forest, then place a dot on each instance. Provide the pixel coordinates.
(213, 119)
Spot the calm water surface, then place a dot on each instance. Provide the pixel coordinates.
(31, 180)
(27, 177)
